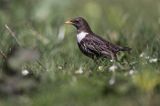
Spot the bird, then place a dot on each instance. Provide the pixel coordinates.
(93, 45)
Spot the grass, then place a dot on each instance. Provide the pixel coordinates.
(62, 75)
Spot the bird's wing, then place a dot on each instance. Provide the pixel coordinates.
(112, 47)
(97, 46)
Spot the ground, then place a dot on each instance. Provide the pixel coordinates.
(50, 70)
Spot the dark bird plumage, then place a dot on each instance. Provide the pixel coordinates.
(91, 44)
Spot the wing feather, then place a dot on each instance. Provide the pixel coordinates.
(97, 46)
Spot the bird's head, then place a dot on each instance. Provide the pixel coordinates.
(80, 23)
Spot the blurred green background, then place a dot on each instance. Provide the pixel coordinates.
(56, 73)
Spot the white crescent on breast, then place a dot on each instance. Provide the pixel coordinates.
(81, 36)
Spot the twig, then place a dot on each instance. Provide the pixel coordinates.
(12, 34)
(2, 54)
(44, 68)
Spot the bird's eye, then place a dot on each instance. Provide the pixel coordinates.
(76, 21)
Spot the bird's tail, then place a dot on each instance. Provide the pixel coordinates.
(125, 49)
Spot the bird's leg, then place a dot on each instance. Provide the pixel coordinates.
(95, 59)
(113, 57)
(113, 69)
(115, 61)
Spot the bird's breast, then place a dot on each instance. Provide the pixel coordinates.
(81, 36)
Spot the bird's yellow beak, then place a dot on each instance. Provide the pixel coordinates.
(68, 22)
